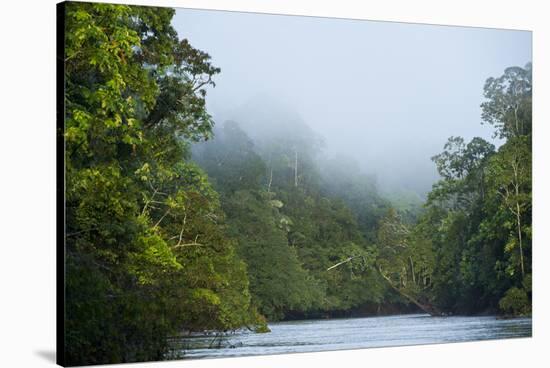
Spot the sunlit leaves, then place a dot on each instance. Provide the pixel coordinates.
(145, 234)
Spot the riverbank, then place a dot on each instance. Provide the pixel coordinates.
(365, 311)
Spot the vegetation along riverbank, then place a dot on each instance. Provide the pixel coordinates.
(176, 223)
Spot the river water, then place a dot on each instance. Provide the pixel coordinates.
(353, 333)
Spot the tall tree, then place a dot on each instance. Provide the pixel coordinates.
(510, 179)
(146, 249)
(508, 102)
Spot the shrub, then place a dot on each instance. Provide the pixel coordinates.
(515, 302)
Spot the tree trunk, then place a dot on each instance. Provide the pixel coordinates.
(270, 180)
(518, 217)
(430, 309)
(295, 168)
(412, 270)
(515, 167)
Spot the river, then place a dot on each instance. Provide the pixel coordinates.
(354, 333)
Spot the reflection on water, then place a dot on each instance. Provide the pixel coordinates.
(353, 333)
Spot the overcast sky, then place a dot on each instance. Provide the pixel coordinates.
(387, 94)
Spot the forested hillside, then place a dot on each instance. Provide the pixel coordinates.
(467, 251)
(175, 223)
(292, 222)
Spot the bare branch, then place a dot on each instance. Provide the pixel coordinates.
(345, 261)
(162, 218)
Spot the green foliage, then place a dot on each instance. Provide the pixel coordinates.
(404, 258)
(515, 302)
(510, 184)
(325, 232)
(231, 160)
(480, 212)
(154, 246)
(508, 102)
(289, 233)
(278, 281)
(342, 178)
(147, 254)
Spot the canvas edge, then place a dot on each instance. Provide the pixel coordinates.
(60, 184)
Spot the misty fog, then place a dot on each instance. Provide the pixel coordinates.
(387, 95)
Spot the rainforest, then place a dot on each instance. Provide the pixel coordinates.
(177, 222)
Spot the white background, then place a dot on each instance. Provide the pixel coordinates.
(27, 181)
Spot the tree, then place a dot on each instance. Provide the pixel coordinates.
(508, 102)
(508, 108)
(462, 168)
(405, 261)
(278, 281)
(342, 178)
(231, 160)
(510, 179)
(289, 235)
(146, 250)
